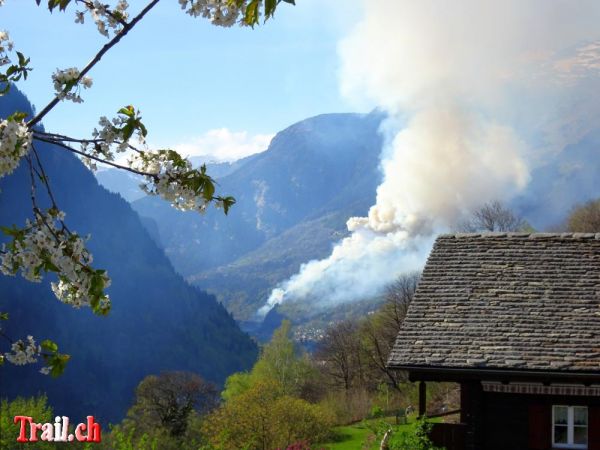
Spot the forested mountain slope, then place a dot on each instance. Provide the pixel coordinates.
(158, 321)
(293, 201)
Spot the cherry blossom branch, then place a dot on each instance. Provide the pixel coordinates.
(8, 338)
(95, 158)
(115, 40)
(114, 16)
(61, 137)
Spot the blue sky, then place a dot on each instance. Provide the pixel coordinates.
(187, 76)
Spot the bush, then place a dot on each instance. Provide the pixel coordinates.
(585, 218)
(348, 407)
(376, 411)
(418, 439)
(263, 417)
(36, 407)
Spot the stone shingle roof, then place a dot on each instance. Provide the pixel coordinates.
(506, 301)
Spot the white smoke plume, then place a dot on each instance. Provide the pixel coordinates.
(477, 92)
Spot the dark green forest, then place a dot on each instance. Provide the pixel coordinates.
(158, 321)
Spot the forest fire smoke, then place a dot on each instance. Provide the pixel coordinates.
(476, 92)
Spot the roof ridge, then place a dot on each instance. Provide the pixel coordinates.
(513, 234)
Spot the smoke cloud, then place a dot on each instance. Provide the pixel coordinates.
(477, 93)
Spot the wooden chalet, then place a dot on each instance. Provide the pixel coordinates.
(515, 319)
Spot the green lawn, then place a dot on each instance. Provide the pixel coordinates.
(353, 437)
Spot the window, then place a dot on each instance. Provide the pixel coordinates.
(569, 426)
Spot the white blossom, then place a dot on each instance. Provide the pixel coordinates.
(65, 80)
(219, 12)
(6, 45)
(86, 82)
(89, 163)
(23, 352)
(169, 175)
(79, 16)
(107, 139)
(15, 142)
(44, 245)
(109, 136)
(104, 18)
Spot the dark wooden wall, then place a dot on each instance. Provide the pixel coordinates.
(497, 421)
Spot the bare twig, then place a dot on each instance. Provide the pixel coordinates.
(42, 175)
(32, 178)
(44, 178)
(36, 210)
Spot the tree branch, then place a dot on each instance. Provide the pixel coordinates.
(39, 116)
(45, 180)
(36, 210)
(61, 137)
(42, 175)
(95, 158)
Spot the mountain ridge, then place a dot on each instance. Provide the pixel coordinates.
(313, 176)
(278, 225)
